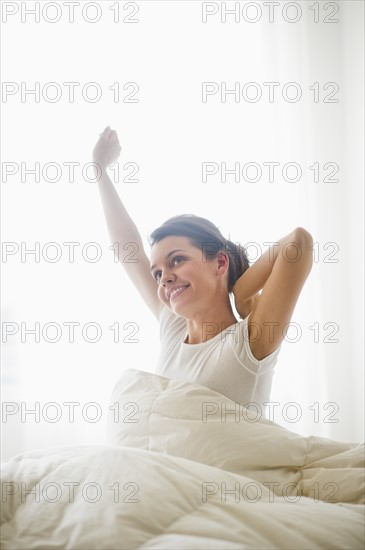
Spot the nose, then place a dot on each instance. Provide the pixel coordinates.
(168, 278)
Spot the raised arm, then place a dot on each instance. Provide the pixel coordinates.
(122, 229)
(281, 273)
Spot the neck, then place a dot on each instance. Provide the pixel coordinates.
(204, 328)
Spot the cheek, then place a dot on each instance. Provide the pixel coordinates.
(161, 294)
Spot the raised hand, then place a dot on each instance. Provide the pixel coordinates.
(107, 149)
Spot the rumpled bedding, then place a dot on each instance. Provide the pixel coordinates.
(185, 467)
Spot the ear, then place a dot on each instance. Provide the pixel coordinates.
(223, 262)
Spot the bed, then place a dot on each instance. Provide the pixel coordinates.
(185, 467)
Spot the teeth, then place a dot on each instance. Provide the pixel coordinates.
(176, 290)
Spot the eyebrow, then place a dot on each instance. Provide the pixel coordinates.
(168, 255)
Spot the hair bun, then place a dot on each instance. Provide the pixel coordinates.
(230, 245)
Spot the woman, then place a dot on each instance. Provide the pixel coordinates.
(188, 283)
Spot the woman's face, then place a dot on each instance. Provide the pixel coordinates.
(175, 262)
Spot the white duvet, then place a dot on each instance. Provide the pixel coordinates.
(180, 473)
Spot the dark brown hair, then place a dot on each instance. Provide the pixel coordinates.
(203, 234)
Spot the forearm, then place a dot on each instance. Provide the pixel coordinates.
(120, 225)
(255, 277)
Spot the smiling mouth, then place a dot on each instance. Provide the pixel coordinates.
(178, 292)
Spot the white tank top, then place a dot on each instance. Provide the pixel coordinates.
(224, 363)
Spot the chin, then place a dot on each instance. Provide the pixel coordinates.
(173, 307)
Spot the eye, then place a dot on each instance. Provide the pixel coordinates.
(177, 258)
(157, 274)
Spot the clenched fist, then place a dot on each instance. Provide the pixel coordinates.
(107, 149)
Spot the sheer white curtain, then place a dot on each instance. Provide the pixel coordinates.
(169, 134)
(337, 213)
(328, 58)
